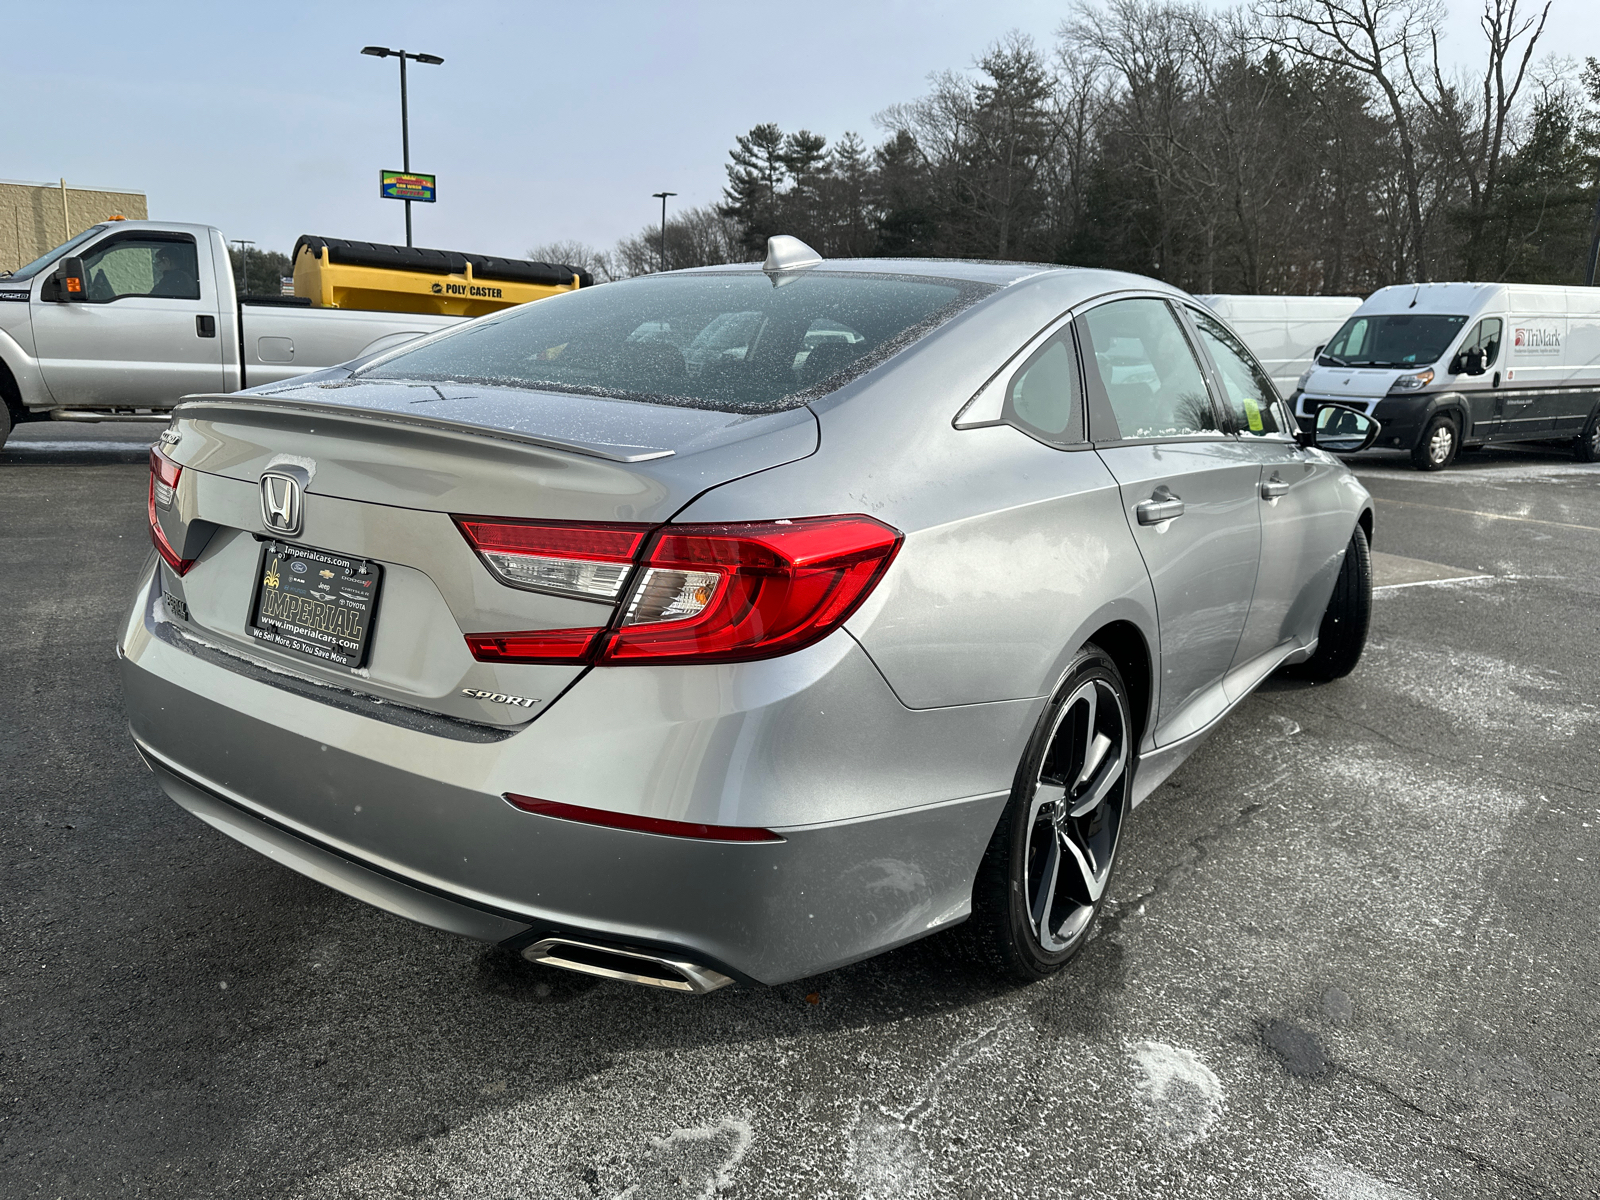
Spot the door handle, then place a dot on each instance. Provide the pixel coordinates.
(205, 325)
(1162, 506)
(1273, 488)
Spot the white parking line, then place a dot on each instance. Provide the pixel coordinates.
(1389, 587)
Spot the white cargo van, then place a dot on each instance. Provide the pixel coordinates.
(1446, 365)
(1283, 332)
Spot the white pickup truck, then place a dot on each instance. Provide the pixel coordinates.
(127, 317)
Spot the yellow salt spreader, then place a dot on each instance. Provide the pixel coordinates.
(374, 277)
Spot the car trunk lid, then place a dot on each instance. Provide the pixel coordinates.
(384, 471)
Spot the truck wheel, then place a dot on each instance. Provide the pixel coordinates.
(1587, 447)
(1343, 634)
(5, 422)
(1436, 449)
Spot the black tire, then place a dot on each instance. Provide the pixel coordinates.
(1436, 448)
(5, 422)
(1587, 447)
(1037, 833)
(1344, 623)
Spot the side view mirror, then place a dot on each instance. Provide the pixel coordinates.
(71, 281)
(1342, 430)
(1468, 362)
(1318, 351)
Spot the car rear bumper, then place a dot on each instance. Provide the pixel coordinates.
(416, 822)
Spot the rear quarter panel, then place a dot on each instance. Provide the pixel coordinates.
(1015, 551)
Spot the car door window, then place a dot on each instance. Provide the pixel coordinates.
(1252, 398)
(1137, 357)
(161, 268)
(1485, 336)
(1043, 398)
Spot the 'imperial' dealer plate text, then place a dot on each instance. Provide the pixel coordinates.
(315, 603)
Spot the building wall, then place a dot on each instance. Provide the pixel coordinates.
(31, 220)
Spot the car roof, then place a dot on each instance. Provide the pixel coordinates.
(1087, 281)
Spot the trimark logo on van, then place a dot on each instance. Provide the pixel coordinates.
(1533, 340)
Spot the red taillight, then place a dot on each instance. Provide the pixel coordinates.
(659, 825)
(535, 646)
(705, 593)
(729, 593)
(587, 560)
(164, 475)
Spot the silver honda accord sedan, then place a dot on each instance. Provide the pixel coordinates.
(744, 622)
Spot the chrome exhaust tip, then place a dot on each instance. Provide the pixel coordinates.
(630, 966)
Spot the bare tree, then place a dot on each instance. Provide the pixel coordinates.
(576, 254)
(1479, 143)
(1381, 39)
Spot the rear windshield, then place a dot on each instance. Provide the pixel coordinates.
(726, 340)
(1398, 341)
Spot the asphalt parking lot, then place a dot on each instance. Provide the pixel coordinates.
(1353, 953)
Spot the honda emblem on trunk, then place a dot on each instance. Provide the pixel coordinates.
(282, 506)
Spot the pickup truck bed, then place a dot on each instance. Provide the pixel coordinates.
(161, 321)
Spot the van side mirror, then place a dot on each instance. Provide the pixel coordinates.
(1468, 362)
(71, 282)
(1343, 430)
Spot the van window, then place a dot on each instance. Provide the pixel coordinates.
(1137, 354)
(1485, 336)
(1252, 398)
(1401, 340)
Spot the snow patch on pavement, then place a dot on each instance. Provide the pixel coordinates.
(692, 1164)
(1184, 1096)
(1483, 694)
(1338, 1180)
(885, 1159)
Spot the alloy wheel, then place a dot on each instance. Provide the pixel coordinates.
(1442, 442)
(1075, 815)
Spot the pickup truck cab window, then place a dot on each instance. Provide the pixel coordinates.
(139, 265)
(1251, 398)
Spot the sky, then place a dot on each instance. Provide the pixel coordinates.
(547, 122)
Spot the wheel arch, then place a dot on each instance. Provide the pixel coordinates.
(1125, 643)
(11, 393)
(1453, 405)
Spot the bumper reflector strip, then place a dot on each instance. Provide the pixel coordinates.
(638, 824)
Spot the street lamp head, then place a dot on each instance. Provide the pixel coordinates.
(376, 51)
(432, 60)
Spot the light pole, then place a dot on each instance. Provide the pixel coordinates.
(244, 263)
(405, 129)
(662, 196)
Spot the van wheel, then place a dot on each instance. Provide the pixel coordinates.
(1343, 634)
(1587, 447)
(5, 422)
(1044, 877)
(1437, 447)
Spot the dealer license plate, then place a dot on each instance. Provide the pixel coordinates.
(315, 603)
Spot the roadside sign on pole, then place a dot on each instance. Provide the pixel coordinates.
(406, 185)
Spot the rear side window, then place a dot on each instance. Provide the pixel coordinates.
(726, 340)
(1251, 396)
(1135, 353)
(1043, 397)
(162, 268)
